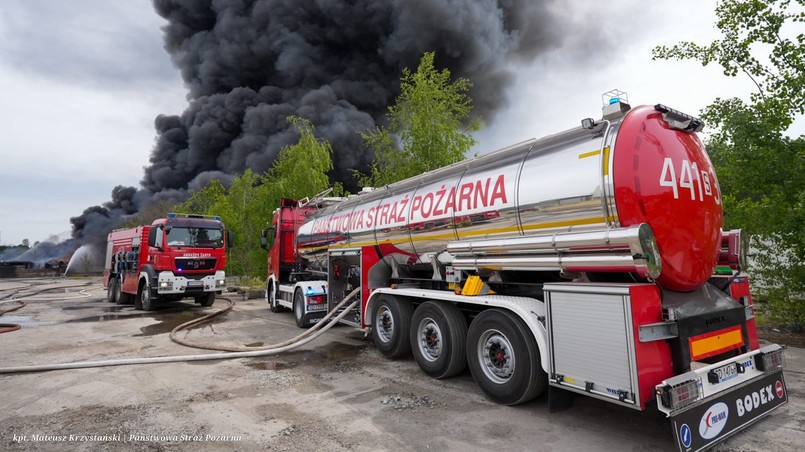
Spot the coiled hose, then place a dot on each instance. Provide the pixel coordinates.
(300, 340)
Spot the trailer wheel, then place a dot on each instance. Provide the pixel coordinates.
(391, 325)
(302, 320)
(271, 298)
(504, 359)
(145, 298)
(111, 290)
(206, 300)
(438, 339)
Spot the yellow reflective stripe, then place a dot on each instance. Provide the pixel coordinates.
(606, 161)
(589, 154)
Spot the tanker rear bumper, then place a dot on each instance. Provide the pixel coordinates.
(708, 404)
(170, 284)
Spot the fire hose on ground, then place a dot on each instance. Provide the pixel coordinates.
(9, 327)
(309, 335)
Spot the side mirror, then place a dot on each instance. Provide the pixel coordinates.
(155, 237)
(230, 238)
(263, 240)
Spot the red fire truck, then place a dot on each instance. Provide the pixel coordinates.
(591, 261)
(173, 258)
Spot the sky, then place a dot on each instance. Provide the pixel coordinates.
(82, 81)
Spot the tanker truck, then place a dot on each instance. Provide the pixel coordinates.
(591, 261)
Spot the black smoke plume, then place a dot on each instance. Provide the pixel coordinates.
(249, 64)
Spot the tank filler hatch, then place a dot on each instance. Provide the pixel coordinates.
(616, 104)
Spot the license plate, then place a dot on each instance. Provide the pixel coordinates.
(195, 283)
(316, 307)
(703, 425)
(725, 373)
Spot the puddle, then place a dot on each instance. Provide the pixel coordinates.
(167, 321)
(334, 352)
(113, 308)
(75, 308)
(106, 317)
(24, 321)
(167, 318)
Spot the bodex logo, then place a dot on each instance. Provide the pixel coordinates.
(758, 398)
(714, 420)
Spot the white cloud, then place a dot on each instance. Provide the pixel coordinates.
(78, 116)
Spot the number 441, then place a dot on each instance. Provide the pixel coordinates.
(696, 181)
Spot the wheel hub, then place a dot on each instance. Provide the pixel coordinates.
(385, 324)
(496, 356)
(430, 339)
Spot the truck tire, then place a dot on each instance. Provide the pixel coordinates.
(391, 326)
(111, 290)
(145, 299)
(504, 359)
(302, 320)
(120, 296)
(438, 339)
(271, 298)
(206, 300)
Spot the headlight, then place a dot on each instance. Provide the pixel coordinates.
(168, 285)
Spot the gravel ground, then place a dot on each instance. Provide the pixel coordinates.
(335, 394)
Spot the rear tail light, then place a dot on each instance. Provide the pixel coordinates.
(316, 299)
(681, 395)
(770, 361)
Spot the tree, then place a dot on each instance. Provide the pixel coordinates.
(430, 120)
(761, 170)
(26, 243)
(301, 169)
(247, 205)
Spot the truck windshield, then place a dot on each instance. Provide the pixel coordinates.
(195, 237)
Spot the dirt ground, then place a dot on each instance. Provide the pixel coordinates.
(334, 394)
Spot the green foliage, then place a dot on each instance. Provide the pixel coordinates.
(252, 282)
(756, 43)
(301, 169)
(247, 205)
(761, 171)
(431, 121)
